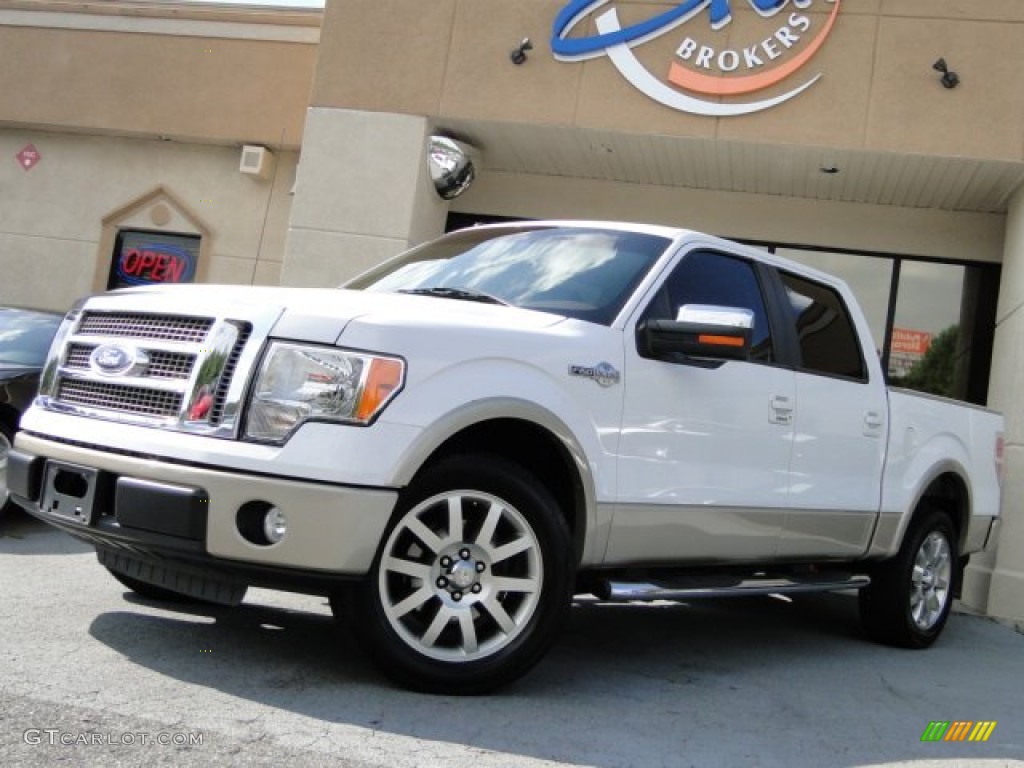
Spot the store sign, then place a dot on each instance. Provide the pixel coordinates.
(143, 258)
(909, 342)
(712, 73)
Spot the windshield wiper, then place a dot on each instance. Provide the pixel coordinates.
(462, 294)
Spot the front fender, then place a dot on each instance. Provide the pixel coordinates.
(581, 415)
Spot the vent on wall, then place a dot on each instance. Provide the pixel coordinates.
(257, 162)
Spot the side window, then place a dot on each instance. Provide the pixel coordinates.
(705, 277)
(828, 340)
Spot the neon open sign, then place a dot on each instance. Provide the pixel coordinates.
(143, 258)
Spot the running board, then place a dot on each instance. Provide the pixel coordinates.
(621, 591)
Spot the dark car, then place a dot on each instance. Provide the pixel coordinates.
(25, 336)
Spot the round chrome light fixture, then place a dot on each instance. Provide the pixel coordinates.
(451, 168)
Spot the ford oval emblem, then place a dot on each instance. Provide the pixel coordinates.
(112, 359)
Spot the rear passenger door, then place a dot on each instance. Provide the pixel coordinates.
(840, 426)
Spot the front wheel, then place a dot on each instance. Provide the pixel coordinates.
(472, 582)
(909, 598)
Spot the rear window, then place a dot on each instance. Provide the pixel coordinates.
(829, 343)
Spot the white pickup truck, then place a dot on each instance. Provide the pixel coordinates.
(466, 437)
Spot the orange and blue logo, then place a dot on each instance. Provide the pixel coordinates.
(712, 72)
(958, 730)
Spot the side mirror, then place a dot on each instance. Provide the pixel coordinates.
(699, 331)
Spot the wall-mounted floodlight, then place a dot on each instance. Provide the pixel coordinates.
(949, 79)
(518, 54)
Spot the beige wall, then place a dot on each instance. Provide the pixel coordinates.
(1006, 569)
(139, 106)
(363, 194)
(878, 91)
(51, 217)
(152, 75)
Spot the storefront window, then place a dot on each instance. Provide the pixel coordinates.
(926, 327)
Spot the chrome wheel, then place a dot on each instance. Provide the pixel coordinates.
(910, 595)
(460, 576)
(931, 580)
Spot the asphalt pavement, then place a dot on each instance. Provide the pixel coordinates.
(90, 674)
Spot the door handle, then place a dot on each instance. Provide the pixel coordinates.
(873, 423)
(782, 410)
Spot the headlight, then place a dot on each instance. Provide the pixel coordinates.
(299, 383)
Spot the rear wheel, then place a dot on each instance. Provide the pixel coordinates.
(472, 582)
(909, 598)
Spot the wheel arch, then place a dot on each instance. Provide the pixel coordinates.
(945, 488)
(948, 491)
(530, 436)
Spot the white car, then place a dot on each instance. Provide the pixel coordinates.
(467, 436)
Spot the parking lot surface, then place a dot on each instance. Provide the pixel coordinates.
(92, 675)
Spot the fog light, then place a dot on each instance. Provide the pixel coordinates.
(275, 525)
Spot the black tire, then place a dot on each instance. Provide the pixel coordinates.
(910, 596)
(472, 582)
(6, 442)
(152, 591)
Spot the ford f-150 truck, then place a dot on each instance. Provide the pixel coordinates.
(461, 440)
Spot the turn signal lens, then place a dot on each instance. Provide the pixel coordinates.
(720, 341)
(383, 379)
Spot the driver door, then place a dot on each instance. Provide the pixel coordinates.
(705, 446)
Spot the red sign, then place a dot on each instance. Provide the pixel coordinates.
(28, 157)
(154, 266)
(910, 342)
(141, 258)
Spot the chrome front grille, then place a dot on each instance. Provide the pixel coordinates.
(220, 396)
(78, 356)
(137, 400)
(170, 365)
(139, 325)
(157, 369)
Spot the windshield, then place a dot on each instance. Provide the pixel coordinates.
(25, 336)
(586, 273)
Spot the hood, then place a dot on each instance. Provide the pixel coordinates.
(320, 314)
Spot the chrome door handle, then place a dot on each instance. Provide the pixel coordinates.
(873, 422)
(782, 410)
